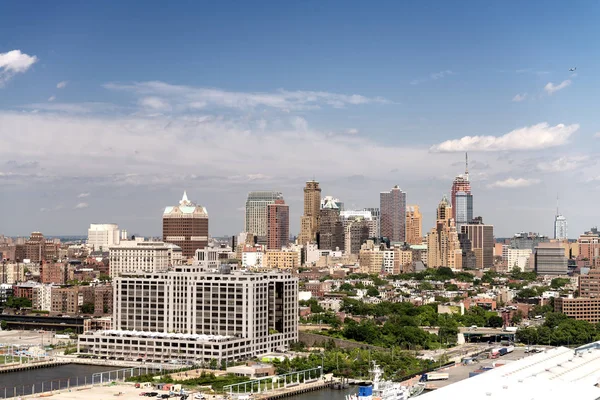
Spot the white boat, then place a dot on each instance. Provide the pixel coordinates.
(384, 390)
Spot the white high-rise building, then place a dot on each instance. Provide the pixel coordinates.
(560, 227)
(102, 236)
(139, 256)
(256, 221)
(192, 315)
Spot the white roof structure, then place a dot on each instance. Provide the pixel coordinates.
(560, 373)
(162, 335)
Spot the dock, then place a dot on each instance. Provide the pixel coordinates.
(295, 390)
(13, 367)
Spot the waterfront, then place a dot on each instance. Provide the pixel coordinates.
(45, 379)
(325, 394)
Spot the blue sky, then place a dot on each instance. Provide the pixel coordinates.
(221, 98)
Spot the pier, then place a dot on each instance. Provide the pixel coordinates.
(31, 365)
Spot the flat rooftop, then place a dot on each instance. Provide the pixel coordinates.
(558, 373)
(162, 335)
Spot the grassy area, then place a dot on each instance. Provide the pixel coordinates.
(11, 359)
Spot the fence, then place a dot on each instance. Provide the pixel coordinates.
(73, 382)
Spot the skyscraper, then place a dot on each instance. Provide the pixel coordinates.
(464, 208)
(392, 206)
(278, 227)
(309, 222)
(256, 220)
(355, 234)
(414, 225)
(443, 246)
(376, 218)
(481, 237)
(186, 225)
(331, 227)
(560, 225)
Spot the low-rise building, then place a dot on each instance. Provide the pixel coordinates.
(252, 370)
(140, 256)
(584, 308)
(282, 259)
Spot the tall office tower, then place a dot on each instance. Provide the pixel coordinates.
(414, 225)
(481, 237)
(356, 233)
(376, 217)
(560, 225)
(331, 227)
(256, 221)
(392, 206)
(102, 236)
(278, 225)
(198, 316)
(186, 225)
(443, 246)
(550, 259)
(461, 184)
(463, 209)
(309, 222)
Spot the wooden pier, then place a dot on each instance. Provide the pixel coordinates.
(292, 391)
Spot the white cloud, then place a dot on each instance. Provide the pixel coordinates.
(535, 137)
(81, 205)
(83, 195)
(566, 163)
(511, 183)
(71, 108)
(184, 98)
(352, 131)
(62, 85)
(51, 98)
(597, 135)
(432, 77)
(550, 87)
(14, 62)
(154, 103)
(519, 97)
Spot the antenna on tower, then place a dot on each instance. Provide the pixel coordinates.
(557, 204)
(467, 165)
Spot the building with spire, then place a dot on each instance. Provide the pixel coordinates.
(392, 206)
(186, 225)
(443, 245)
(560, 225)
(461, 198)
(256, 218)
(309, 222)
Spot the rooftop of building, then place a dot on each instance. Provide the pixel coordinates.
(186, 207)
(163, 335)
(557, 373)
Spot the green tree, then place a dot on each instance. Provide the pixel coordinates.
(4, 325)
(495, 321)
(372, 291)
(346, 287)
(527, 293)
(558, 283)
(517, 318)
(87, 308)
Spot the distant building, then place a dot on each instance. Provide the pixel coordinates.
(518, 258)
(329, 200)
(66, 300)
(526, 240)
(140, 256)
(582, 308)
(355, 234)
(257, 219)
(376, 218)
(414, 225)
(560, 228)
(482, 242)
(550, 259)
(443, 246)
(309, 222)
(186, 225)
(461, 198)
(348, 216)
(282, 259)
(278, 225)
(331, 227)
(392, 206)
(589, 247)
(589, 285)
(102, 236)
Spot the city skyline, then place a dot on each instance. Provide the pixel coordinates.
(104, 127)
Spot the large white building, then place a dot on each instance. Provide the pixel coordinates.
(256, 220)
(558, 373)
(42, 297)
(560, 227)
(140, 256)
(195, 315)
(517, 258)
(102, 236)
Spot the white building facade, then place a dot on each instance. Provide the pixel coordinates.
(140, 256)
(102, 236)
(560, 228)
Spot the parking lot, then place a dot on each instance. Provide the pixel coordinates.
(460, 371)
